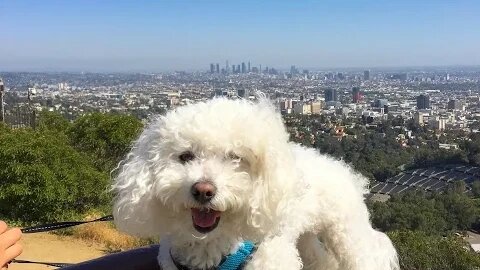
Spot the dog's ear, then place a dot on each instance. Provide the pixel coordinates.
(274, 172)
(134, 209)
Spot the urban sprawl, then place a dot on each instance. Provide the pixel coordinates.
(438, 98)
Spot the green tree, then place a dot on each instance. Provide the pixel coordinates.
(431, 156)
(436, 214)
(43, 178)
(459, 187)
(476, 189)
(106, 137)
(54, 122)
(460, 210)
(411, 211)
(418, 251)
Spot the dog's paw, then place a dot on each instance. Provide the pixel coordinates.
(275, 254)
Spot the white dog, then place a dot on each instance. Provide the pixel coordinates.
(209, 175)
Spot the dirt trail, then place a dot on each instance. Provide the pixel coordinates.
(54, 248)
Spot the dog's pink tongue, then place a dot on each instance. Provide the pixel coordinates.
(204, 218)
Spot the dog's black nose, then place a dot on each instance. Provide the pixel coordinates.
(203, 191)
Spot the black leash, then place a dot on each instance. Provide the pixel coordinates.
(44, 263)
(61, 225)
(55, 226)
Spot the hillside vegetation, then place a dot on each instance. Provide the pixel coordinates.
(61, 171)
(422, 226)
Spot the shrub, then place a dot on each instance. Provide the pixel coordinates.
(52, 121)
(433, 214)
(43, 178)
(418, 251)
(106, 137)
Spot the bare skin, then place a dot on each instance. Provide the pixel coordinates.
(10, 246)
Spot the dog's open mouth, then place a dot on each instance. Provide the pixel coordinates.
(205, 220)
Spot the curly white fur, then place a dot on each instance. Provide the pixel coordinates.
(305, 210)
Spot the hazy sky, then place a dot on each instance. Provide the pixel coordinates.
(152, 35)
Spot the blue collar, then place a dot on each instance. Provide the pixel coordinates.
(235, 261)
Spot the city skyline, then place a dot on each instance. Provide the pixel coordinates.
(187, 35)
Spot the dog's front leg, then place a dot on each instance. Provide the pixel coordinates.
(359, 249)
(276, 253)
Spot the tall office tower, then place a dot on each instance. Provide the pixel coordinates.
(244, 68)
(218, 68)
(341, 76)
(331, 95)
(366, 75)
(455, 104)
(260, 69)
(423, 102)
(227, 67)
(249, 70)
(2, 109)
(212, 68)
(356, 95)
(293, 70)
(233, 68)
(238, 69)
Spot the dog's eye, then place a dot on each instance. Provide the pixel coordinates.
(186, 157)
(233, 156)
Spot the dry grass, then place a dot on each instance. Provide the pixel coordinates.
(104, 233)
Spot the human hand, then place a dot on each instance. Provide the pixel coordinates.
(9, 244)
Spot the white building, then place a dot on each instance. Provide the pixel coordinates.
(302, 108)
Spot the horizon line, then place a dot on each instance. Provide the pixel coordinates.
(206, 70)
